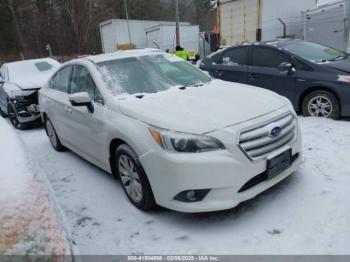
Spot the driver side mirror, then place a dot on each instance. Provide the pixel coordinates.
(286, 68)
(82, 99)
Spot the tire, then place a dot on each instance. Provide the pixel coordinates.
(54, 140)
(2, 113)
(12, 113)
(130, 172)
(321, 103)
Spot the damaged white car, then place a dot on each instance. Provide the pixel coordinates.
(174, 136)
(19, 85)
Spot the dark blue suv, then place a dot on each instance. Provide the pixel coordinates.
(315, 78)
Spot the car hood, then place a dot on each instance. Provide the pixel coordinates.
(342, 65)
(199, 110)
(13, 90)
(26, 84)
(32, 82)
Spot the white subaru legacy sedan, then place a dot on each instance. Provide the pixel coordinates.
(174, 136)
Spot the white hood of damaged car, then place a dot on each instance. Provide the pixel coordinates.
(198, 110)
(32, 82)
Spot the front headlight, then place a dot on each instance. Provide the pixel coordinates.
(185, 143)
(344, 78)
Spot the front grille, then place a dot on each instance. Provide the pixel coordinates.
(258, 142)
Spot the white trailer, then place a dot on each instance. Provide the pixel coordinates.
(328, 25)
(114, 32)
(162, 36)
(239, 20)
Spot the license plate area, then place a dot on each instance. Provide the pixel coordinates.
(278, 164)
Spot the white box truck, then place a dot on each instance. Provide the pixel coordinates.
(114, 33)
(329, 25)
(162, 36)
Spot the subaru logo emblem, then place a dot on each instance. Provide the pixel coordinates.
(275, 132)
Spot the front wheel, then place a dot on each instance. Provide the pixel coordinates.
(133, 178)
(321, 103)
(12, 113)
(54, 140)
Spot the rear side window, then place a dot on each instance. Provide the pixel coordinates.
(61, 79)
(234, 57)
(268, 57)
(43, 66)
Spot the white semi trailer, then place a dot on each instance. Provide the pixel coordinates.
(114, 34)
(328, 24)
(162, 36)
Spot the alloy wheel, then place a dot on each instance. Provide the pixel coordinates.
(13, 117)
(320, 106)
(51, 133)
(130, 178)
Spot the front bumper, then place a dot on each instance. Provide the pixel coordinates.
(224, 172)
(26, 112)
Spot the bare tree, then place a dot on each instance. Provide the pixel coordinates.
(11, 6)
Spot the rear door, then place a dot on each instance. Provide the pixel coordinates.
(264, 72)
(55, 101)
(231, 65)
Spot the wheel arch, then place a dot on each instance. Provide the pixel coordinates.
(315, 88)
(113, 145)
(43, 116)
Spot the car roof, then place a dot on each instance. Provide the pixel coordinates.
(278, 43)
(120, 54)
(31, 61)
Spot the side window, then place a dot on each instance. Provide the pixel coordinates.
(82, 82)
(60, 81)
(234, 57)
(299, 65)
(268, 57)
(98, 98)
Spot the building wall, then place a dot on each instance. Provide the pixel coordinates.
(289, 12)
(239, 19)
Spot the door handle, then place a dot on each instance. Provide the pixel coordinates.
(251, 76)
(219, 72)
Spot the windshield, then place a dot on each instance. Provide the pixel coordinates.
(149, 74)
(315, 52)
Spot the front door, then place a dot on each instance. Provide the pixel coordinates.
(264, 71)
(87, 129)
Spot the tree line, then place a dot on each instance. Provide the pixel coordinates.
(71, 27)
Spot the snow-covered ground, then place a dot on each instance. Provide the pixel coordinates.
(30, 219)
(308, 213)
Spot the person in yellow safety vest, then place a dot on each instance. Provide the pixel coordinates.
(180, 52)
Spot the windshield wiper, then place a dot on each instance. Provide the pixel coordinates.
(341, 57)
(194, 85)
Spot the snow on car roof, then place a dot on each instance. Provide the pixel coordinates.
(31, 61)
(122, 54)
